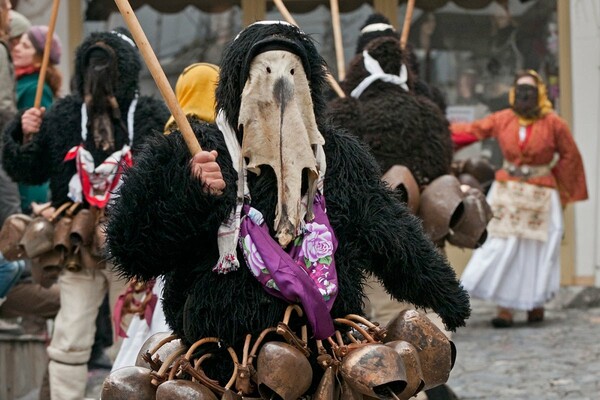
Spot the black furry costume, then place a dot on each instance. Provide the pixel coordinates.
(399, 126)
(165, 224)
(42, 158)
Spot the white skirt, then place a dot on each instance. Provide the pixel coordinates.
(138, 331)
(518, 273)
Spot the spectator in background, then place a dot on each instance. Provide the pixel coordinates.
(519, 265)
(9, 193)
(27, 58)
(9, 271)
(19, 25)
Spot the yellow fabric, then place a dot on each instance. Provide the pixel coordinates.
(543, 103)
(195, 92)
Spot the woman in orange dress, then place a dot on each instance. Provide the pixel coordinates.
(519, 265)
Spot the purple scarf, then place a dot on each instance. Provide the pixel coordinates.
(305, 273)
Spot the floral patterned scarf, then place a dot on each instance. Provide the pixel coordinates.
(303, 273)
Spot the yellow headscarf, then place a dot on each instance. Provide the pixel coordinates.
(195, 92)
(544, 104)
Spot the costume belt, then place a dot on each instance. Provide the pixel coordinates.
(527, 171)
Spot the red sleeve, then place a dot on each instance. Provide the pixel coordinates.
(483, 128)
(568, 171)
(462, 139)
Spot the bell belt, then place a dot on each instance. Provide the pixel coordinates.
(527, 171)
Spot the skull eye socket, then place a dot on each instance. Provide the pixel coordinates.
(268, 70)
(292, 71)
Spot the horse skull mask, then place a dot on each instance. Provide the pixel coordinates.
(279, 129)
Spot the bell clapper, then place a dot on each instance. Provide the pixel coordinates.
(393, 394)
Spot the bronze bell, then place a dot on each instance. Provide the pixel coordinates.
(46, 269)
(282, 372)
(62, 230)
(468, 179)
(166, 343)
(73, 260)
(128, 383)
(327, 389)
(412, 366)
(82, 229)
(347, 392)
(229, 394)
(374, 370)
(38, 237)
(183, 390)
(99, 240)
(89, 261)
(436, 352)
(12, 231)
(481, 169)
(470, 231)
(399, 177)
(441, 206)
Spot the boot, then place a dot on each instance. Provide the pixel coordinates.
(503, 319)
(535, 315)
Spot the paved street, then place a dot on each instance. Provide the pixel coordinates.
(557, 359)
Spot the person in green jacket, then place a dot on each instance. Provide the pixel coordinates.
(27, 59)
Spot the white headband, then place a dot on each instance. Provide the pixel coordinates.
(266, 23)
(380, 26)
(124, 37)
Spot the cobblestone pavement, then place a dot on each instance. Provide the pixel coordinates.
(556, 359)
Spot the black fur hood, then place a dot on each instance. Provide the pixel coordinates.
(128, 62)
(366, 37)
(235, 57)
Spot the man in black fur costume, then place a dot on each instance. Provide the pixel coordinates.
(172, 215)
(401, 119)
(80, 145)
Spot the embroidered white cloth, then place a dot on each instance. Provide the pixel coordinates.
(96, 184)
(520, 209)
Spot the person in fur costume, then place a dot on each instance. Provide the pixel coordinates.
(80, 145)
(399, 117)
(182, 219)
(382, 109)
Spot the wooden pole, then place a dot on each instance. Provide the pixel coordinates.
(410, 7)
(284, 11)
(159, 75)
(46, 57)
(337, 37)
(288, 17)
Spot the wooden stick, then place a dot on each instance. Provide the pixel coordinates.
(288, 17)
(410, 7)
(334, 85)
(159, 75)
(46, 57)
(284, 11)
(337, 38)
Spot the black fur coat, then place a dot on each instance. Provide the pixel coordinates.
(399, 127)
(42, 158)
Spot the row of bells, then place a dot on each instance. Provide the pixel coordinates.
(449, 209)
(397, 362)
(74, 242)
